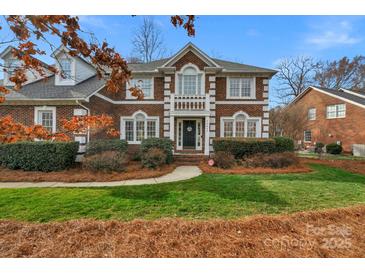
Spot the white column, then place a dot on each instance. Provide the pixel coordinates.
(207, 131)
(172, 127)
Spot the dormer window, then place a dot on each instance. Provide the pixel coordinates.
(190, 81)
(66, 68)
(12, 66)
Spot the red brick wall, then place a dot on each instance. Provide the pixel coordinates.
(25, 114)
(189, 57)
(349, 130)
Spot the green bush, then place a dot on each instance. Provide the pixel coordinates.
(334, 148)
(106, 161)
(284, 144)
(98, 146)
(164, 144)
(223, 159)
(154, 157)
(243, 147)
(38, 156)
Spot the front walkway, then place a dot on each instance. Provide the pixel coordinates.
(181, 173)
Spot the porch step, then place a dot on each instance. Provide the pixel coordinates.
(188, 159)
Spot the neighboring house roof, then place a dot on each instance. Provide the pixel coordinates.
(46, 89)
(343, 94)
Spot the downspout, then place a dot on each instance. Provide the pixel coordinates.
(88, 113)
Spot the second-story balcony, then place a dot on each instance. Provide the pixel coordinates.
(192, 103)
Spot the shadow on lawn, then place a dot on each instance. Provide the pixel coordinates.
(229, 187)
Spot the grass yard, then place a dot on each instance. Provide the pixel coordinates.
(207, 196)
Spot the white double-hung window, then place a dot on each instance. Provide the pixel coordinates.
(241, 125)
(307, 136)
(311, 114)
(241, 88)
(336, 111)
(138, 127)
(190, 81)
(145, 84)
(46, 117)
(66, 68)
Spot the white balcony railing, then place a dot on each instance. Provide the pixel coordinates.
(190, 102)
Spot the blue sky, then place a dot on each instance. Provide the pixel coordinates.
(255, 40)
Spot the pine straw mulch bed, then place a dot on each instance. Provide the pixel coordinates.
(77, 174)
(355, 166)
(258, 236)
(300, 168)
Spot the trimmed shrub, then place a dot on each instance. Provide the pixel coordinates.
(106, 161)
(334, 148)
(38, 156)
(284, 144)
(275, 160)
(155, 157)
(223, 159)
(319, 148)
(98, 146)
(164, 144)
(243, 147)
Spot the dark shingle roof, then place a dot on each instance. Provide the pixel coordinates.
(46, 89)
(344, 94)
(241, 67)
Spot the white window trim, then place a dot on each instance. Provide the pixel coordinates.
(46, 108)
(304, 136)
(60, 81)
(234, 119)
(336, 117)
(253, 88)
(180, 72)
(123, 119)
(128, 95)
(315, 114)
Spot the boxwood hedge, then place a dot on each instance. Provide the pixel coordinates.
(38, 156)
(284, 144)
(98, 146)
(162, 143)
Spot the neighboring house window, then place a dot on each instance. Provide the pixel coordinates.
(66, 69)
(190, 81)
(336, 111)
(308, 136)
(311, 114)
(138, 127)
(46, 116)
(240, 125)
(145, 84)
(241, 88)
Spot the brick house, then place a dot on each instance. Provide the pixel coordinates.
(333, 116)
(190, 98)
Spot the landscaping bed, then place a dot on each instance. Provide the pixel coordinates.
(300, 168)
(134, 170)
(356, 166)
(258, 236)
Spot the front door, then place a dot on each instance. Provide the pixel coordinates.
(189, 134)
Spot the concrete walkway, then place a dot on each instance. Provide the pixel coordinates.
(181, 173)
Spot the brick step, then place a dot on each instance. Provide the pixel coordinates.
(186, 159)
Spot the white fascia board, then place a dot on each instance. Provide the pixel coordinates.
(241, 102)
(129, 102)
(353, 92)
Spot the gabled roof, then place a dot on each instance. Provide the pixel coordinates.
(234, 66)
(45, 89)
(342, 94)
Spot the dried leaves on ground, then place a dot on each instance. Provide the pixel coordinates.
(330, 233)
(355, 166)
(77, 174)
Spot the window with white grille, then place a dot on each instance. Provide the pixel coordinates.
(66, 69)
(228, 128)
(190, 81)
(145, 84)
(241, 88)
(311, 114)
(241, 125)
(139, 127)
(336, 111)
(307, 136)
(46, 117)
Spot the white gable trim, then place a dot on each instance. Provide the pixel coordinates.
(190, 47)
(327, 93)
(353, 93)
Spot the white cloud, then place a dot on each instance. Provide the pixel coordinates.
(332, 34)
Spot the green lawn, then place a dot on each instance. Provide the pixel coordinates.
(207, 196)
(313, 155)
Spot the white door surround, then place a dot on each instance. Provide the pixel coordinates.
(198, 132)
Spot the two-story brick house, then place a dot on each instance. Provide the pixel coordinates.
(333, 116)
(190, 98)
